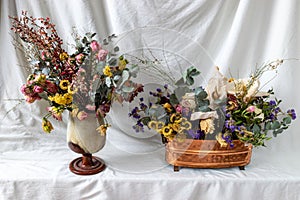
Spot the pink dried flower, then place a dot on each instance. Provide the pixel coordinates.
(38, 89)
(102, 54)
(82, 115)
(80, 58)
(179, 108)
(250, 109)
(56, 113)
(90, 107)
(31, 99)
(25, 90)
(95, 46)
(51, 87)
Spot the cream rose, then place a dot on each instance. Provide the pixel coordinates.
(188, 101)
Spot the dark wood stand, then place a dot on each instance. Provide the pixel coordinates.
(87, 164)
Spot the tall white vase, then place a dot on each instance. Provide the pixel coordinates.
(83, 138)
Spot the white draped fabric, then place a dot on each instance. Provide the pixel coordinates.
(234, 35)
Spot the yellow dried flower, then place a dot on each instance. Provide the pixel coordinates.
(152, 124)
(122, 63)
(175, 117)
(63, 56)
(167, 131)
(68, 98)
(64, 84)
(176, 127)
(207, 125)
(46, 125)
(185, 124)
(168, 107)
(230, 80)
(72, 91)
(221, 141)
(62, 99)
(107, 71)
(157, 125)
(41, 78)
(102, 129)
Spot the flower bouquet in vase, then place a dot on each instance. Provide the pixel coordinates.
(215, 126)
(84, 82)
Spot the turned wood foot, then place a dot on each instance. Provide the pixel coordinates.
(87, 165)
(176, 168)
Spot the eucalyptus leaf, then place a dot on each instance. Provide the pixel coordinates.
(114, 83)
(84, 40)
(268, 126)
(96, 84)
(34, 62)
(276, 132)
(124, 78)
(256, 128)
(287, 120)
(43, 95)
(117, 78)
(108, 81)
(173, 99)
(198, 90)
(46, 70)
(180, 82)
(99, 67)
(127, 89)
(189, 80)
(112, 61)
(116, 49)
(202, 94)
(105, 42)
(145, 120)
(188, 75)
(203, 108)
(204, 102)
(192, 71)
(157, 112)
(275, 125)
(181, 91)
(133, 69)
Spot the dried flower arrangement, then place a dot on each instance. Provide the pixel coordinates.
(226, 110)
(87, 80)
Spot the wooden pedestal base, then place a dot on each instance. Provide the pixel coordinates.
(87, 165)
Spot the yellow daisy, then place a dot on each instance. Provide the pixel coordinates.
(63, 56)
(63, 84)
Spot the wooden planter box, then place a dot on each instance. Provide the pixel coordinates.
(207, 154)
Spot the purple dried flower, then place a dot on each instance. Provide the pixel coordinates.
(292, 113)
(272, 103)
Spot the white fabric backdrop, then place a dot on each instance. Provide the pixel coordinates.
(235, 35)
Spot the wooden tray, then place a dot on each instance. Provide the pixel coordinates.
(207, 154)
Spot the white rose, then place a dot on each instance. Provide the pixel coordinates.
(188, 101)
